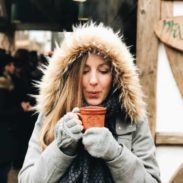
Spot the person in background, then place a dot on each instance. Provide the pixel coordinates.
(93, 67)
(24, 62)
(9, 109)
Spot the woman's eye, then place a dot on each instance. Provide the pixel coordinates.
(104, 71)
(85, 71)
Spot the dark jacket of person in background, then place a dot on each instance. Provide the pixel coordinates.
(8, 113)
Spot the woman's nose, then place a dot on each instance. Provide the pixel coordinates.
(93, 79)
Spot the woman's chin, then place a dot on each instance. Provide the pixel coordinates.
(94, 102)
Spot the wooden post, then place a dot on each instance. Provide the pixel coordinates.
(147, 53)
(169, 138)
(178, 175)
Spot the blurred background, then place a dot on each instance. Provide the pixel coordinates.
(18, 19)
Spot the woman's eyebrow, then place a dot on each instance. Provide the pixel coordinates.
(104, 64)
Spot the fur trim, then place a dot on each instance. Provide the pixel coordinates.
(85, 37)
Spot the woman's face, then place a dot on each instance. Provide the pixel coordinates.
(96, 80)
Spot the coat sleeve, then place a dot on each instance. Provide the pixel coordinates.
(138, 165)
(43, 166)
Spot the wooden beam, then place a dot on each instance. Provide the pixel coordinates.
(166, 9)
(178, 175)
(148, 15)
(169, 138)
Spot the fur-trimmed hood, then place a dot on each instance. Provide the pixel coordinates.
(83, 38)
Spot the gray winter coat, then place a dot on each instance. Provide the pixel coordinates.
(136, 164)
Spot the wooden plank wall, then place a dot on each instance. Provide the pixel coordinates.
(147, 52)
(175, 58)
(149, 13)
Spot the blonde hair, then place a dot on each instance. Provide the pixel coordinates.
(70, 97)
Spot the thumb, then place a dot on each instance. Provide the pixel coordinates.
(75, 110)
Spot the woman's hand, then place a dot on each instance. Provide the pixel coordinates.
(68, 132)
(100, 143)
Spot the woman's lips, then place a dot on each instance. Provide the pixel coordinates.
(93, 94)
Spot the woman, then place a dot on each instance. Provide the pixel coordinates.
(92, 67)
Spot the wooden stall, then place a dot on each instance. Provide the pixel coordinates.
(149, 14)
(157, 25)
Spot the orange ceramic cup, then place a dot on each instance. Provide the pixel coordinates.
(92, 116)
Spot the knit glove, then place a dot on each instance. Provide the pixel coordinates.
(100, 143)
(68, 132)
